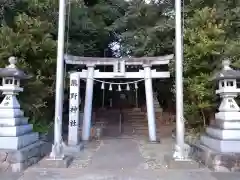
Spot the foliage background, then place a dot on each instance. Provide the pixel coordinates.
(211, 33)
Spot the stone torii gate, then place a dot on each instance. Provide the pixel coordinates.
(119, 71)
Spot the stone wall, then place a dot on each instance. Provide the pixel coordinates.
(216, 161)
(19, 160)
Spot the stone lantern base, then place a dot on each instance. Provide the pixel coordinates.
(219, 147)
(20, 147)
(19, 160)
(215, 160)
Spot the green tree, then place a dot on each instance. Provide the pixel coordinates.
(207, 41)
(88, 26)
(31, 42)
(146, 29)
(29, 31)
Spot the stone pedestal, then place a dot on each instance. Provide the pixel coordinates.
(19, 160)
(215, 160)
(224, 135)
(219, 147)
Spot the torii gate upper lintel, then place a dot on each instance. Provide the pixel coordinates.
(158, 60)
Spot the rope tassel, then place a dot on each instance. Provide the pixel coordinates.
(128, 87)
(102, 86)
(136, 86)
(119, 88)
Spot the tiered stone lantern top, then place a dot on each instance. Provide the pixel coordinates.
(227, 72)
(227, 87)
(11, 77)
(224, 135)
(227, 80)
(12, 71)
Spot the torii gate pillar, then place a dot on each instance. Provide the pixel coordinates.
(149, 102)
(87, 117)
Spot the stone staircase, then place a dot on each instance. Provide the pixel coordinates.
(109, 120)
(136, 123)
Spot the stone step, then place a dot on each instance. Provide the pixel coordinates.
(133, 110)
(139, 125)
(144, 134)
(134, 117)
(138, 122)
(144, 130)
(138, 129)
(135, 113)
(158, 129)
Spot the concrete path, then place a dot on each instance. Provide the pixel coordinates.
(63, 174)
(117, 154)
(121, 159)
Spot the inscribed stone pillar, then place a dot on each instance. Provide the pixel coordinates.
(74, 102)
(149, 102)
(87, 117)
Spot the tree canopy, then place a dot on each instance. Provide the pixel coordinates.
(211, 33)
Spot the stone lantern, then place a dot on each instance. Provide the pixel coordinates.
(224, 135)
(219, 147)
(19, 145)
